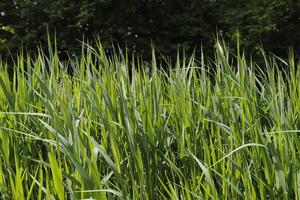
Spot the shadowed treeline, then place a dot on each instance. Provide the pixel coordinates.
(134, 24)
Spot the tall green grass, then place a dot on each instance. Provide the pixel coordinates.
(121, 128)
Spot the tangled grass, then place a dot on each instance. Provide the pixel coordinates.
(115, 130)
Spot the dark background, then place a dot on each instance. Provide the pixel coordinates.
(169, 24)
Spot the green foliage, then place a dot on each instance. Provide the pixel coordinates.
(120, 128)
(272, 23)
(135, 23)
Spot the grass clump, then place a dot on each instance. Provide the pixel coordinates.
(123, 129)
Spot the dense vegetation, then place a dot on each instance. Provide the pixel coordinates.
(84, 120)
(119, 128)
(168, 23)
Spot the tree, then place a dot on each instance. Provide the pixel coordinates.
(135, 23)
(272, 23)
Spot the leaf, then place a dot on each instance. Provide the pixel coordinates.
(205, 170)
(57, 176)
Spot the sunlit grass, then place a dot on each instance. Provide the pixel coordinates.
(120, 128)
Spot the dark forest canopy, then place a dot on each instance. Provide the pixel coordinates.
(135, 23)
